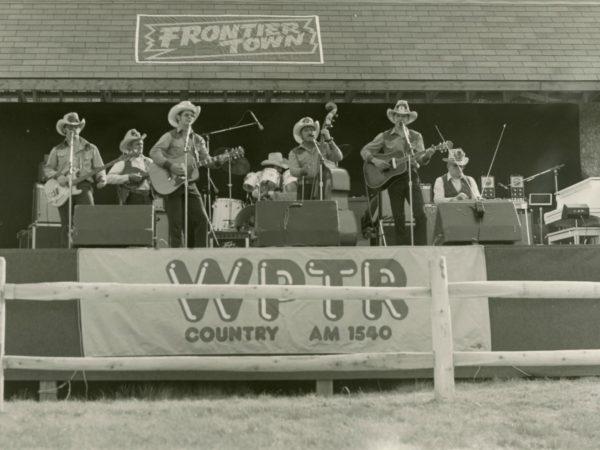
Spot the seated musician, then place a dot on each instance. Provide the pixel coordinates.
(131, 175)
(169, 153)
(86, 157)
(305, 160)
(455, 185)
(274, 178)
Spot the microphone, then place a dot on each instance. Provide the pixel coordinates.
(503, 186)
(258, 124)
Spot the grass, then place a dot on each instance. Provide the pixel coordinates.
(562, 414)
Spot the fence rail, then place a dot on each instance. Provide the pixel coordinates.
(443, 359)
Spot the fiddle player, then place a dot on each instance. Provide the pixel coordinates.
(455, 185)
(305, 160)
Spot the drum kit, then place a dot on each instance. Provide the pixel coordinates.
(262, 185)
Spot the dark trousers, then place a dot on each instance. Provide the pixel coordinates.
(399, 193)
(127, 197)
(85, 198)
(175, 208)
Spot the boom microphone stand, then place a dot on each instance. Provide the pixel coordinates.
(321, 162)
(210, 182)
(186, 184)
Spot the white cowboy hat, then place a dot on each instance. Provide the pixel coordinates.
(305, 122)
(401, 108)
(71, 118)
(179, 107)
(457, 156)
(276, 159)
(131, 136)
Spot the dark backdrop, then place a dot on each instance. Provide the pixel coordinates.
(537, 137)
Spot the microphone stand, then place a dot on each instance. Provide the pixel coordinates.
(186, 184)
(321, 162)
(410, 184)
(71, 157)
(554, 169)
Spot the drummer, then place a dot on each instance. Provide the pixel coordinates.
(274, 178)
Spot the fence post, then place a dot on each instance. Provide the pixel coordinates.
(2, 328)
(441, 331)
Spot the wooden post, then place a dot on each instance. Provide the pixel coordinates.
(2, 328)
(325, 388)
(441, 331)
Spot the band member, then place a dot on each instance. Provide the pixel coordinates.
(305, 159)
(167, 153)
(402, 142)
(274, 178)
(455, 185)
(86, 157)
(131, 175)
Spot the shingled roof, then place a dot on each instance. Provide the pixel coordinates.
(377, 47)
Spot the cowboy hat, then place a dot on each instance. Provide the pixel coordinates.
(305, 122)
(457, 156)
(178, 108)
(131, 136)
(71, 118)
(276, 159)
(401, 108)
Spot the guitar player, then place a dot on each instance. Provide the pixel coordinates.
(169, 153)
(86, 157)
(131, 175)
(401, 141)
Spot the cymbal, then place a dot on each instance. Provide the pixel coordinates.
(239, 166)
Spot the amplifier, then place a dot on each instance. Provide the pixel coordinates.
(40, 235)
(457, 223)
(113, 226)
(42, 211)
(308, 222)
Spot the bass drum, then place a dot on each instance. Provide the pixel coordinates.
(225, 211)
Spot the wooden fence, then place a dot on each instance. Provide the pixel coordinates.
(443, 359)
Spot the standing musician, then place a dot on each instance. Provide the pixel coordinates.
(131, 175)
(455, 185)
(405, 142)
(86, 157)
(169, 147)
(305, 160)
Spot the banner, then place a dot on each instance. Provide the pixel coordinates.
(228, 39)
(124, 325)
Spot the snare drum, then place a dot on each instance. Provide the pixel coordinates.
(225, 211)
(251, 181)
(290, 182)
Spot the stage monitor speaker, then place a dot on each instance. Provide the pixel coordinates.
(457, 223)
(308, 223)
(113, 226)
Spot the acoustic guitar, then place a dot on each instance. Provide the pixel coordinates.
(165, 183)
(398, 161)
(58, 195)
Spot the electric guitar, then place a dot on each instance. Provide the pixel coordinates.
(398, 161)
(58, 195)
(164, 182)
